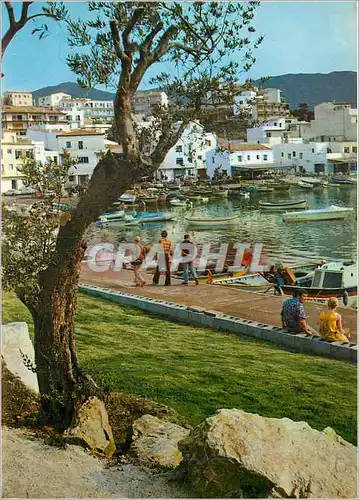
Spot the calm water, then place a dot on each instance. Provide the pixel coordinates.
(286, 242)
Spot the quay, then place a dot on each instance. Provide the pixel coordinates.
(261, 308)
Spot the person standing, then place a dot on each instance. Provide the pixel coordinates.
(331, 325)
(136, 264)
(293, 314)
(167, 252)
(188, 266)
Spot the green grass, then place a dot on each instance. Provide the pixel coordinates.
(196, 370)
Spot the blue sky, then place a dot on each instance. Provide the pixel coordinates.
(300, 37)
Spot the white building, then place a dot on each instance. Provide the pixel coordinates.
(143, 102)
(322, 158)
(333, 122)
(240, 158)
(14, 152)
(17, 98)
(261, 104)
(278, 131)
(53, 100)
(188, 158)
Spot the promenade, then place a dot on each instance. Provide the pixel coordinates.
(247, 305)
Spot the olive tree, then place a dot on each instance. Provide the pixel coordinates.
(206, 46)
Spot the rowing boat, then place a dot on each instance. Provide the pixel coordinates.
(319, 214)
(215, 222)
(283, 205)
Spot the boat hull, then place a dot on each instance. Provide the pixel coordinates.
(321, 293)
(283, 206)
(214, 223)
(318, 215)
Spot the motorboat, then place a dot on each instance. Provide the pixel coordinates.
(213, 222)
(112, 216)
(319, 214)
(344, 180)
(144, 217)
(283, 205)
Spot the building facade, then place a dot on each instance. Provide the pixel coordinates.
(19, 119)
(278, 131)
(14, 152)
(144, 102)
(333, 122)
(53, 100)
(17, 98)
(261, 105)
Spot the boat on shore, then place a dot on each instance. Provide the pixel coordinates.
(283, 205)
(319, 214)
(213, 222)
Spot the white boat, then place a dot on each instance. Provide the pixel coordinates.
(313, 181)
(179, 203)
(127, 198)
(330, 213)
(213, 222)
(283, 205)
(304, 185)
(143, 217)
(126, 221)
(112, 216)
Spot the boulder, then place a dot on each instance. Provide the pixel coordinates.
(155, 441)
(91, 428)
(18, 353)
(235, 454)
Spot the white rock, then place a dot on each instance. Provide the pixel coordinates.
(238, 454)
(16, 340)
(155, 441)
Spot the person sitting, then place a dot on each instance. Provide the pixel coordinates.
(331, 325)
(293, 314)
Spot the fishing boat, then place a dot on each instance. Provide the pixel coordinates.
(213, 222)
(283, 205)
(333, 279)
(179, 203)
(219, 193)
(127, 198)
(304, 185)
(144, 217)
(319, 214)
(314, 182)
(341, 180)
(126, 221)
(113, 216)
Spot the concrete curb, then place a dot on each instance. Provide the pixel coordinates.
(219, 321)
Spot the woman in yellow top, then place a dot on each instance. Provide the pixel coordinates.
(330, 323)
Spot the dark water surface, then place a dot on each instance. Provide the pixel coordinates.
(286, 242)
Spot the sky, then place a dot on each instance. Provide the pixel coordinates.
(300, 37)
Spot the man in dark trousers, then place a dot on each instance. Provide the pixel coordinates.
(167, 252)
(293, 314)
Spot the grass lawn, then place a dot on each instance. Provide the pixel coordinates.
(196, 370)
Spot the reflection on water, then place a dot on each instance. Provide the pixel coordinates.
(287, 242)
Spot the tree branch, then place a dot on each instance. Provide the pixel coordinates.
(117, 42)
(10, 11)
(167, 140)
(136, 16)
(25, 7)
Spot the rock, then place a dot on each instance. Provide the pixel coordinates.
(91, 428)
(235, 454)
(16, 350)
(155, 441)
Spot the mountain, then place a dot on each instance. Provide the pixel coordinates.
(309, 88)
(74, 90)
(314, 88)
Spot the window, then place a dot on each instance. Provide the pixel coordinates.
(289, 156)
(78, 118)
(55, 160)
(29, 154)
(83, 159)
(312, 150)
(329, 150)
(68, 144)
(179, 161)
(9, 151)
(11, 166)
(294, 154)
(81, 145)
(71, 178)
(265, 157)
(257, 157)
(275, 124)
(282, 154)
(355, 149)
(208, 142)
(19, 117)
(346, 150)
(190, 159)
(178, 149)
(301, 156)
(248, 157)
(268, 134)
(17, 154)
(213, 159)
(239, 158)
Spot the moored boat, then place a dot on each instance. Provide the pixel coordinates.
(318, 214)
(127, 198)
(175, 202)
(144, 217)
(112, 216)
(304, 185)
(213, 222)
(283, 205)
(343, 180)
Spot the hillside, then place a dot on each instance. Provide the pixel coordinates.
(340, 86)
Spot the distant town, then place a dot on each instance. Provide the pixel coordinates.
(277, 141)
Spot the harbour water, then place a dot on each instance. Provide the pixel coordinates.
(282, 242)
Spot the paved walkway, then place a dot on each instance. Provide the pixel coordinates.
(247, 305)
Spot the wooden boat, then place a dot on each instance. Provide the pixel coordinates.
(334, 279)
(161, 198)
(314, 182)
(319, 214)
(214, 222)
(340, 180)
(126, 221)
(179, 203)
(283, 205)
(112, 216)
(148, 200)
(219, 194)
(127, 198)
(144, 217)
